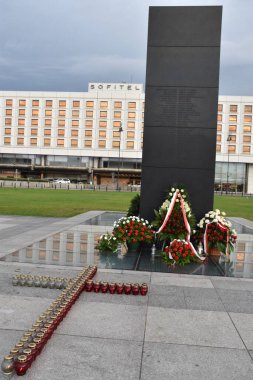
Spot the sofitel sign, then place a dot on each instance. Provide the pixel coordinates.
(115, 87)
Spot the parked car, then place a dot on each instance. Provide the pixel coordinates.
(62, 180)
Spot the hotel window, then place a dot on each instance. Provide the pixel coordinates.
(35, 103)
(116, 124)
(218, 147)
(8, 112)
(143, 105)
(103, 114)
(101, 143)
(49, 103)
(48, 112)
(35, 112)
(48, 122)
(89, 113)
(34, 132)
(33, 141)
(88, 133)
(7, 140)
(231, 148)
(246, 149)
(74, 133)
(130, 124)
(89, 123)
(102, 124)
(22, 103)
(117, 104)
(219, 117)
(76, 104)
(232, 128)
(130, 135)
(21, 121)
(21, 131)
(219, 127)
(88, 143)
(246, 139)
(131, 105)
(8, 121)
(102, 133)
(8, 103)
(62, 103)
(218, 138)
(35, 121)
(20, 141)
(47, 142)
(247, 128)
(220, 107)
(232, 138)
(7, 131)
(247, 119)
(89, 104)
(74, 142)
(61, 132)
(75, 113)
(248, 109)
(142, 115)
(61, 123)
(117, 114)
(130, 145)
(103, 104)
(131, 115)
(75, 123)
(62, 113)
(116, 134)
(21, 112)
(233, 108)
(60, 142)
(233, 118)
(115, 144)
(47, 132)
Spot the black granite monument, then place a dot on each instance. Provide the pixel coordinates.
(181, 100)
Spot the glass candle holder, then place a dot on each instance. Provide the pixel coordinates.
(135, 289)
(25, 342)
(28, 353)
(32, 347)
(127, 288)
(39, 345)
(7, 365)
(119, 287)
(112, 287)
(14, 352)
(15, 281)
(96, 286)
(104, 287)
(144, 289)
(89, 286)
(20, 347)
(21, 365)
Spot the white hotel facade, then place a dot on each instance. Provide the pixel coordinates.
(96, 136)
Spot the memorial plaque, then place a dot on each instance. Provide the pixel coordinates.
(182, 79)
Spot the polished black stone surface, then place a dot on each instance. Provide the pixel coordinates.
(182, 79)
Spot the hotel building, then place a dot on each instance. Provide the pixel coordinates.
(96, 136)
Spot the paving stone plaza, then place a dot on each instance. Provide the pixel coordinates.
(187, 327)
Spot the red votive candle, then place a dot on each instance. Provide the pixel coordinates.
(104, 287)
(144, 289)
(127, 288)
(112, 287)
(96, 286)
(21, 365)
(135, 289)
(119, 287)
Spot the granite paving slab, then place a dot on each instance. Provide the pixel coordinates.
(180, 281)
(194, 327)
(244, 325)
(100, 319)
(185, 362)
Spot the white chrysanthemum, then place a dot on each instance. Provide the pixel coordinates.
(170, 194)
(114, 238)
(182, 190)
(207, 221)
(223, 213)
(194, 231)
(207, 215)
(184, 196)
(215, 220)
(105, 238)
(172, 189)
(177, 200)
(177, 189)
(128, 221)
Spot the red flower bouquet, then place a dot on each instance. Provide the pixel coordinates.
(133, 229)
(179, 252)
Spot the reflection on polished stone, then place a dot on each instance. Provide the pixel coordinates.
(77, 247)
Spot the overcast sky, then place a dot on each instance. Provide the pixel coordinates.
(62, 45)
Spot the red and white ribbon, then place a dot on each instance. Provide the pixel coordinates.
(176, 195)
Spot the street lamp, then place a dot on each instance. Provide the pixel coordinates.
(228, 140)
(120, 130)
